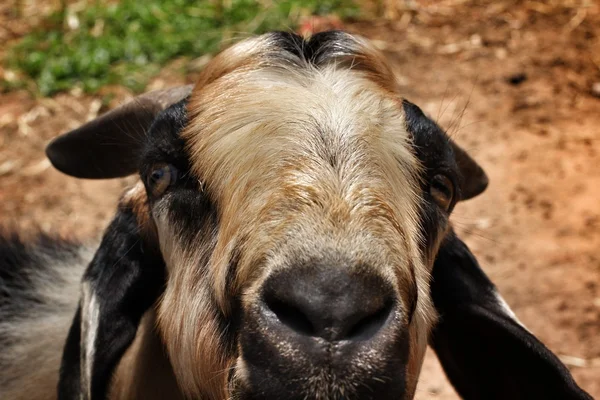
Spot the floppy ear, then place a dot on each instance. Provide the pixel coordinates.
(108, 146)
(484, 350)
(123, 280)
(475, 180)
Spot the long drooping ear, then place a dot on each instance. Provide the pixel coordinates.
(125, 277)
(108, 146)
(432, 142)
(484, 350)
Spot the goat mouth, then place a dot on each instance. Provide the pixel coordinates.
(273, 366)
(380, 373)
(321, 386)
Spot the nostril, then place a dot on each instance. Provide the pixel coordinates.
(368, 326)
(327, 303)
(290, 315)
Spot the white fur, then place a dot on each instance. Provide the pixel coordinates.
(506, 308)
(89, 327)
(30, 365)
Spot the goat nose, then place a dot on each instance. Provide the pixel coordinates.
(330, 303)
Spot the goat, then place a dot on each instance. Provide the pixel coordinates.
(291, 213)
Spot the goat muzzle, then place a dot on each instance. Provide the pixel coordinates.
(324, 332)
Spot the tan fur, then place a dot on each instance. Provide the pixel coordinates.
(145, 371)
(187, 323)
(136, 198)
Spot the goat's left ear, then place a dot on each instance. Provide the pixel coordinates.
(484, 350)
(124, 279)
(474, 178)
(432, 143)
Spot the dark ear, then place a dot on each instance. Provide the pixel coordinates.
(485, 352)
(432, 143)
(475, 180)
(108, 146)
(123, 280)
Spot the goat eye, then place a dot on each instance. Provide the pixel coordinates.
(442, 191)
(161, 177)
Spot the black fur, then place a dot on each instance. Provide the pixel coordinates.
(485, 353)
(432, 148)
(127, 276)
(69, 384)
(440, 154)
(163, 143)
(190, 208)
(318, 49)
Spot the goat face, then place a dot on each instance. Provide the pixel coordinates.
(296, 204)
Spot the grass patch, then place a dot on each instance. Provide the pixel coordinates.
(126, 43)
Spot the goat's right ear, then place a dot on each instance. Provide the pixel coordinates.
(123, 280)
(108, 147)
(484, 350)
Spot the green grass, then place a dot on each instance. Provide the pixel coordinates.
(126, 43)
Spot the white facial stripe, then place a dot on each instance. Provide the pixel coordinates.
(89, 327)
(166, 236)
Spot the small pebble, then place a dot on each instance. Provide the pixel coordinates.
(501, 53)
(596, 89)
(517, 79)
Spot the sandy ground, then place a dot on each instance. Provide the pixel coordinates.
(511, 81)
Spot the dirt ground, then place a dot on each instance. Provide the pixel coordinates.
(512, 81)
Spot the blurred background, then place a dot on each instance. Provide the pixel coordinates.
(517, 83)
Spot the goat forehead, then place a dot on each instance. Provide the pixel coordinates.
(323, 128)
